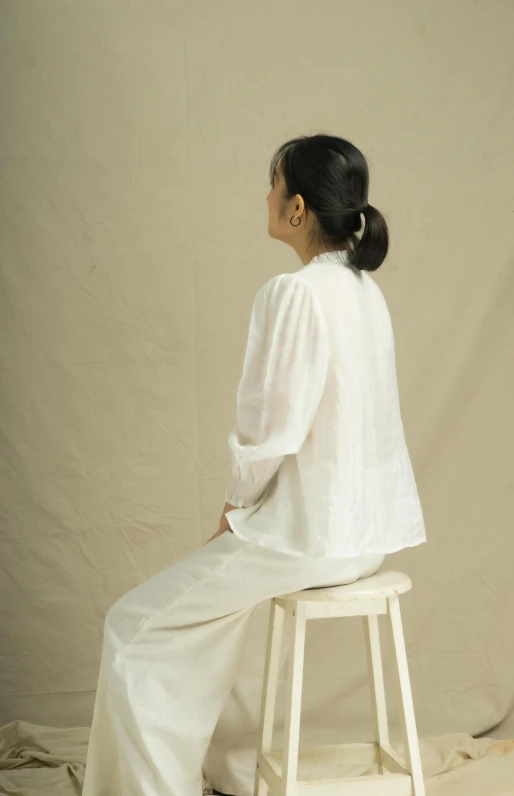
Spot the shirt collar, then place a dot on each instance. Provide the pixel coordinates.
(339, 256)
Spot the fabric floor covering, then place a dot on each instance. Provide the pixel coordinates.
(48, 761)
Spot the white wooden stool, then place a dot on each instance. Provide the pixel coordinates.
(277, 769)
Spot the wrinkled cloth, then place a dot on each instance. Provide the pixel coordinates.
(36, 760)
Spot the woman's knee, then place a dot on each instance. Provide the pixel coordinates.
(120, 619)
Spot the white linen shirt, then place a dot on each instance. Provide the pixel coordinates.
(319, 460)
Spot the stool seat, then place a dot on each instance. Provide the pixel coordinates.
(382, 584)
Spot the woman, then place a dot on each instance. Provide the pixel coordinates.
(322, 484)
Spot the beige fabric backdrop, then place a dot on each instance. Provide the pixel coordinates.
(135, 143)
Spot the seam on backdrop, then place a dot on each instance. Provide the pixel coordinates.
(176, 600)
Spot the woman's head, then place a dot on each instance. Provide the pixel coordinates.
(319, 197)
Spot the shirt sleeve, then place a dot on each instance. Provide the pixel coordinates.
(283, 380)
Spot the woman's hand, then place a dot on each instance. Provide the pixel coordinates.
(224, 526)
(221, 529)
(218, 533)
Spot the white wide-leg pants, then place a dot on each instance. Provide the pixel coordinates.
(170, 656)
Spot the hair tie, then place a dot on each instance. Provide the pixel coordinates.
(363, 207)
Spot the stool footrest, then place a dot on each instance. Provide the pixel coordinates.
(395, 782)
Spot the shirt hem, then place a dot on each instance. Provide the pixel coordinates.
(323, 553)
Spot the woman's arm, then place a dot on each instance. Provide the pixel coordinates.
(284, 372)
(283, 378)
(224, 526)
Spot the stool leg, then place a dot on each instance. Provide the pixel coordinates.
(406, 707)
(376, 680)
(269, 690)
(294, 701)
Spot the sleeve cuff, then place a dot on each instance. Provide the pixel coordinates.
(242, 495)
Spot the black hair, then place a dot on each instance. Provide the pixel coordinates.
(332, 177)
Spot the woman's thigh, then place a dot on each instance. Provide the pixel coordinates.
(227, 574)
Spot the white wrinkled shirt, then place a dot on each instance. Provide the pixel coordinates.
(320, 464)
